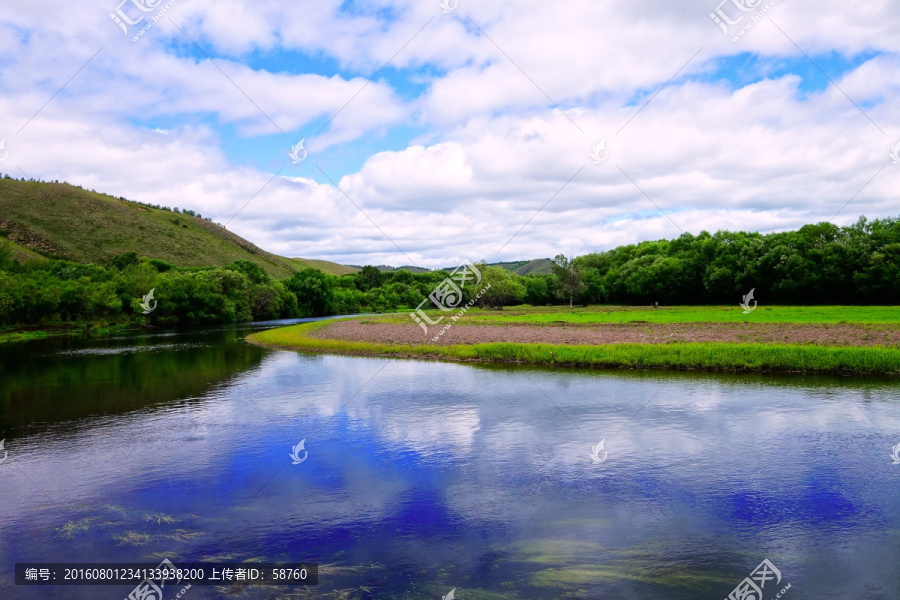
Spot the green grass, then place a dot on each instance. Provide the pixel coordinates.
(324, 265)
(61, 221)
(540, 266)
(703, 356)
(550, 315)
(23, 254)
(62, 329)
(23, 336)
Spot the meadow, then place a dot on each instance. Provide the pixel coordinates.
(711, 356)
(550, 315)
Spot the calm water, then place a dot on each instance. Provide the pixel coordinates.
(423, 476)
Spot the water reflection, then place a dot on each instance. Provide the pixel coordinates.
(426, 476)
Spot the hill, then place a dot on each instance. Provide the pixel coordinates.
(388, 269)
(324, 265)
(539, 266)
(58, 220)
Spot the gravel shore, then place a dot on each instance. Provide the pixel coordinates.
(620, 333)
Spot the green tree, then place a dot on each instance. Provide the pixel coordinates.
(315, 292)
(501, 288)
(400, 276)
(120, 261)
(568, 276)
(369, 277)
(592, 290)
(6, 254)
(347, 301)
(536, 291)
(252, 270)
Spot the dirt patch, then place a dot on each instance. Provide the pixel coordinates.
(31, 239)
(621, 333)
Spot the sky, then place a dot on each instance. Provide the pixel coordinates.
(437, 131)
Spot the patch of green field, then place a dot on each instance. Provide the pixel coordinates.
(701, 356)
(552, 315)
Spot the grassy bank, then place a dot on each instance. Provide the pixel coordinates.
(29, 334)
(23, 336)
(705, 356)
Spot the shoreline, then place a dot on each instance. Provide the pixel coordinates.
(693, 356)
(41, 332)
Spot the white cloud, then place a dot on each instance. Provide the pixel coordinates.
(769, 155)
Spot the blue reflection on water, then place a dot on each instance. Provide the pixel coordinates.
(427, 476)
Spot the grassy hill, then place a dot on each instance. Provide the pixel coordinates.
(324, 265)
(21, 253)
(57, 220)
(388, 269)
(540, 266)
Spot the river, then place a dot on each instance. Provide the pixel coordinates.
(422, 477)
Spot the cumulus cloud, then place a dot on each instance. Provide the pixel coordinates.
(478, 132)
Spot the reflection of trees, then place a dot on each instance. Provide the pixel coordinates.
(47, 386)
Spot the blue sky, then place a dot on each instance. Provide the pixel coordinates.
(455, 145)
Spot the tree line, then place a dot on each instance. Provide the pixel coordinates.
(56, 292)
(817, 264)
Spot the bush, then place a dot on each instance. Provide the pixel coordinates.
(314, 290)
(504, 288)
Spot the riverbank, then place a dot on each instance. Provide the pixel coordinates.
(539, 345)
(26, 334)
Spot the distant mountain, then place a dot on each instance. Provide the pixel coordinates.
(388, 269)
(58, 220)
(539, 266)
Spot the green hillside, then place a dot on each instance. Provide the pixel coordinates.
(57, 220)
(324, 265)
(540, 266)
(21, 253)
(389, 269)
